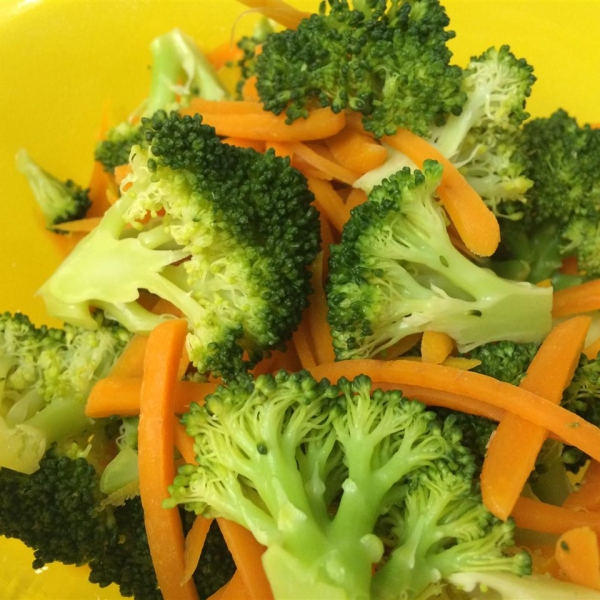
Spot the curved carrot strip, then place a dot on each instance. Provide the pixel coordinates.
(356, 197)
(100, 182)
(249, 91)
(121, 171)
(300, 339)
(131, 361)
(234, 589)
(356, 151)
(579, 558)
(436, 347)
(592, 350)
(567, 425)
(183, 442)
(475, 222)
(156, 458)
(323, 163)
(317, 316)
(194, 543)
(587, 497)
(504, 471)
(279, 11)
(80, 225)
(576, 299)
(223, 54)
(329, 202)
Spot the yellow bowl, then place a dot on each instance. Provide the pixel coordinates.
(63, 60)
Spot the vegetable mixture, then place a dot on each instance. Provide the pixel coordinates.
(332, 335)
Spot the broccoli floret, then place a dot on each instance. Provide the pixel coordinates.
(561, 216)
(505, 361)
(249, 46)
(230, 251)
(396, 273)
(180, 71)
(311, 469)
(122, 470)
(45, 377)
(59, 201)
(386, 60)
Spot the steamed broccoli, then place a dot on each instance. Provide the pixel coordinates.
(396, 272)
(316, 471)
(249, 45)
(386, 60)
(59, 201)
(228, 239)
(179, 72)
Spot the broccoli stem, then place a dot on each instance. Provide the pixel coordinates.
(62, 418)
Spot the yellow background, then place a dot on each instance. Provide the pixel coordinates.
(62, 60)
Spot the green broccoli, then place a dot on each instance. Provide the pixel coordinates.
(45, 377)
(59, 201)
(231, 251)
(123, 471)
(396, 272)
(561, 216)
(314, 470)
(386, 60)
(180, 71)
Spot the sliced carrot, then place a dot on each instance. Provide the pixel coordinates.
(157, 461)
(194, 543)
(475, 222)
(164, 307)
(329, 202)
(280, 149)
(223, 107)
(576, 299)
(317, 316)
(261, 125)
(402, 346)
(587, 497)
(100, 182)
(355, 198)
(436, 347)
(356, 151)
(459, 362)
(578, 556)
(568, 426)
(234, 589)
(309, 170)
(226, 53)
(247, 553)
(355, 121)
(131, 361)
(323, 163)
(278, 10)
(241, 143)
(249, 91)
(122, 171)
(592, 350)
(301, 342)
(80, 225)
(183, 442)
(504, 471)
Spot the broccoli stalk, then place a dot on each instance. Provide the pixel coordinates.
(123, 470)
(396, 273)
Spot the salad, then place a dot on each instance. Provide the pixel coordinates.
(307, 316)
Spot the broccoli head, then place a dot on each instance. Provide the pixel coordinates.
(386, 60)
(223, 233)
(396, 272)
(59, 201)
(314, 470)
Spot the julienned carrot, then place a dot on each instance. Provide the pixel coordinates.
(504, 471)
(460, 362)
(568, 426)
(279, 11)
(355, 198)
(223, 107)
(122, 171)
(183, 442)
(576, 299)
(356, 151)
(323, 163)
(249, 91)
(247, 553)
(131, 361)
(329, 202)
(436, 347)
(156, 458)
(223, 54)
(587, 497)
(547, 518)
(402, 346)
(234, 589)
(579, 558)
(317, 316)
(194, 543)
(80, 225)
(475, 222)
(307, 169)
(121, 396)
(302, 345)
(355, 121)
(592, 350)
(241, 143)
(100, 182)
(261, 125)
(280, 149)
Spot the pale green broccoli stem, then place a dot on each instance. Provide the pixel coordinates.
(62, 418)
(120, 472)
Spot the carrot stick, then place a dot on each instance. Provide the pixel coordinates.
(592, 350)
(329, 202)
(241, 143)
(568, 426)
(116, 395)
(356, 151)
(576, 299)
(247, 553)
(309, 170)
(504, 471)
(436, 347)
(280, 149)
(578, 556)
(279, 11)
(475, 222)
(235, 589)
(317, 316)
(459, 362)
(194, 543)
(301, 343)
(100, 182)
(224, 107)
(184, 443)
(587, 497)
(79, 225)
(355, 121)
(131, 361)
(547, 518)
(321, 123)
(226, 53)
(356, 197)
(249, 91)
(121, 171)
(317, 160)
(156, 458)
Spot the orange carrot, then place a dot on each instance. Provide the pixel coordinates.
(505, 471)
(317, 316)
(329, 202)
(578, 556)
(241, 143)
(323, 163)
(475, 222)
(570, 266)
(223, 107)
(80, 225)
(576, 299)
(121, 171)
(592, 350)
(356, 197)
(279, 149)
(156, 458)
(356, 151)
(402, 346)
(587, 497)
(321, 123)
(568, 426)
(183, 442)
(131, 361)
(436, 347)
(100, 182)
(235, 589)
(309, 170)
(226, 53)
(194, 543)
(302, 346)
(247, 553)
(459, 362)
(355, 121)
(249, 91)
(279, 11)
